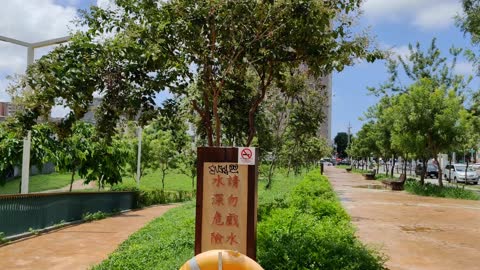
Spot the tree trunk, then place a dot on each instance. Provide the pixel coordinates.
(216, 117)
(289, 167)
(424, 172)
(193, 183)
(270, 174)
(71, 181)
(386, 168)
(440, 182)
(411, 164)
(100, 182)
(466, 173)
(393, 167)
(163, 179)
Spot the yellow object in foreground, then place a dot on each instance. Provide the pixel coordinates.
(221, 260)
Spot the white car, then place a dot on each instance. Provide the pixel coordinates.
(456, 172)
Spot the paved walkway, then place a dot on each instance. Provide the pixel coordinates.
(415, 232)
(77, 185)
(77, 247)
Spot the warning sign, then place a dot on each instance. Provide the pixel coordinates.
(246, 155)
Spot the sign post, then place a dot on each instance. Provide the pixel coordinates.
(226, 213)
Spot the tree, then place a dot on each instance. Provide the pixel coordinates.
(419, 64)
(469, 21)
(75, 150)
(341, 140)
(430, 116)
(188, 165)
(10, 152)
(43, 148)
(292, 112)
(211, 44)
(365, 145)
(382, 115)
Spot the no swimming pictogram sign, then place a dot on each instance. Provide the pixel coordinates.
(246, 155)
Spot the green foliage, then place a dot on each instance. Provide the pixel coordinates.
(43, 148)
(38, 183)
(292, 116)
(146, 48)
(288, 237)
(33, 231)
(469, 20)
(146, 197)
(3, 240)
(313, 232)
(164, 244)
(414, 187)
(174, 180)
(341, 140)
(87, 217)
(365, 143)
(419, 64)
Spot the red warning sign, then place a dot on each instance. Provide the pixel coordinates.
(246, 155)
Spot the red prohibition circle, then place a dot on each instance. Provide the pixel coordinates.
(246, 153)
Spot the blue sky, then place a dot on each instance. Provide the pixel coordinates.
(394, 23)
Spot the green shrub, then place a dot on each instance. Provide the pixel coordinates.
(291, 234)
(291, 239)
(2, 238)
(414, 187)
(312, 231)
(164, 244)
(146, 197)
(265, 208)
(94, 216)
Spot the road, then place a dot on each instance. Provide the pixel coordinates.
(416, 233)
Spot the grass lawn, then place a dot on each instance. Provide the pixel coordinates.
(321, 235)
(38, 183)
(167, 242)
(431, 190)
(42, 182)
(153, 180)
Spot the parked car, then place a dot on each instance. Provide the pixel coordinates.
(344, 162)
(456, 172)
(432, 170)
(327, 163)
(476, 166)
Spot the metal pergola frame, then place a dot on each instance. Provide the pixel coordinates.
(30, 58)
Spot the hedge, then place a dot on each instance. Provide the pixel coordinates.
(146, 196)
(305, 228)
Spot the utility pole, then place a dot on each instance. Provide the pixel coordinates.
(27, 140)
(139, 154)
(348, 132)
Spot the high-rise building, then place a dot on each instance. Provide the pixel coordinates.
(8, 109)
(326, 128)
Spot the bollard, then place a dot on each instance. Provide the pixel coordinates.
(321, 168)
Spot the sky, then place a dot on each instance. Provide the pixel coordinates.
(393, 23)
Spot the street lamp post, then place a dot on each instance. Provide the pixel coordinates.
(27, 140)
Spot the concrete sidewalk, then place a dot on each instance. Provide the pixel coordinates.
(414, 232)
(77, 247)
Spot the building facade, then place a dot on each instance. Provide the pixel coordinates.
(8, 109)
(326, 87)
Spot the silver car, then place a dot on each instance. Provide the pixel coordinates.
(456, 172)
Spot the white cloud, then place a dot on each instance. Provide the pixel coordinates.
(438, 16)
(401, 51)
(464, 68)
(29, 21)
(426, 14)
(3, 95)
